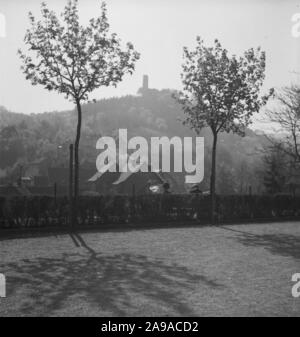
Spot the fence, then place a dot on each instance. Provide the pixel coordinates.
(37, 212)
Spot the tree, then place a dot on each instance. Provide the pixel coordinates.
(226, 180)
(11, 146)
(285, 116)
(74, 60)
(220, 92)
(274, 172)
(242, 174)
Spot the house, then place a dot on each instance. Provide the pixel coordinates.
(128, 183)
(59, 176)
(37, 173)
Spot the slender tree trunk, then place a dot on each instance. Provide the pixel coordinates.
(213, 178)
(71, 181)
(76, 160)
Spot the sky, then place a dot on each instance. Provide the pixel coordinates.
(158, 29)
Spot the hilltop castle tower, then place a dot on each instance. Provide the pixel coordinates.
(145, 82)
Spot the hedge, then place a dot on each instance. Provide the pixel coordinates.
(30, 212)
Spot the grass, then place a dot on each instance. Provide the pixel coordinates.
(238, 270)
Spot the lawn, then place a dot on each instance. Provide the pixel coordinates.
(240, 270)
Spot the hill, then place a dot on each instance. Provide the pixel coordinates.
(46, 136)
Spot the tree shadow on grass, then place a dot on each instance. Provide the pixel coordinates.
(280, 244)
(111, 283)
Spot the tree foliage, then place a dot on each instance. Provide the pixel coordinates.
(221, 91)
(275, 171)
(285, 116)
(72, 59)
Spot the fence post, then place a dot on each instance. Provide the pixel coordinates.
(55, 194)
(133, 204)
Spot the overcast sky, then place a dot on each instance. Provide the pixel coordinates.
(158, 29)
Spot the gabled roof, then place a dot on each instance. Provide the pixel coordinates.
(125, 182)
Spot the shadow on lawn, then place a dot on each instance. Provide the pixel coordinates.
(111, 283)
(281, 244)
